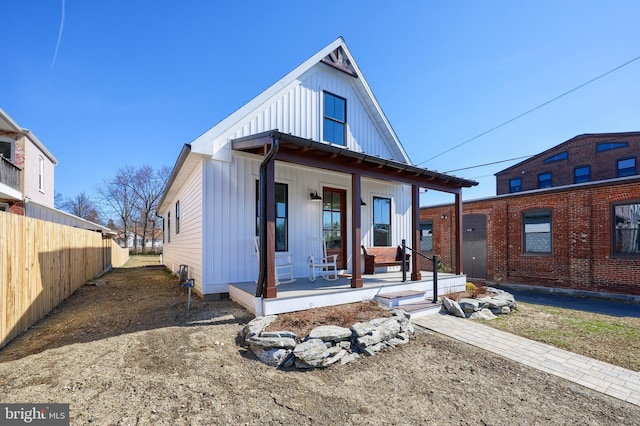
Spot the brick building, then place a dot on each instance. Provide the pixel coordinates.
(584, 158)
(583, 235)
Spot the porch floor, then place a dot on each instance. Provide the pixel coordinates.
(303, 294)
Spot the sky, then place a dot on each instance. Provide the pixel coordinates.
(105, 84)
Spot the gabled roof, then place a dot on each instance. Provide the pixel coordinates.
(336, 55)
(596, 137)
(7, 124)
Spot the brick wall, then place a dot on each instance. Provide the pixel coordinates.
(581, 238)
(581, 151)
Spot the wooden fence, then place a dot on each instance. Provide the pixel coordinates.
(41, 264)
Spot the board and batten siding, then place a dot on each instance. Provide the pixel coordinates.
(298, 109)
(229, 216)
(186, 246)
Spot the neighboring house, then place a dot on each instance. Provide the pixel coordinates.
(333, 169)
(134, 239)
(26, 168)
(581, 230)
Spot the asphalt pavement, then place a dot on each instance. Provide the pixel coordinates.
(589, 304)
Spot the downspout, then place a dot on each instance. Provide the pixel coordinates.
(262, 277)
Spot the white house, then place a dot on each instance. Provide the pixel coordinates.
(334, 168)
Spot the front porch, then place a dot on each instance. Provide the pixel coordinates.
(303, 294)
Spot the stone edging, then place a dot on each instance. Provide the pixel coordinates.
(327, 344)
(484, 308)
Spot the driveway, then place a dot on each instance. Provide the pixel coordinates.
(588, 304)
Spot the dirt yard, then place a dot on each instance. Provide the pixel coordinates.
(127, 352)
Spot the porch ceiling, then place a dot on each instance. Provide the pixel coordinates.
(310, 153)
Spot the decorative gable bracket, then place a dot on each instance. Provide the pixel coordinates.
(339, 60)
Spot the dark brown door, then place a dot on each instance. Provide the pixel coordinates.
(334, 223)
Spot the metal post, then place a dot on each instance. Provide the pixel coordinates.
(435, 278)
(404, 257)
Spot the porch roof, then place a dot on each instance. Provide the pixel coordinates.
(297, 150)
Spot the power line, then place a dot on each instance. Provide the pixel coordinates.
(531, 110)
(487, 164)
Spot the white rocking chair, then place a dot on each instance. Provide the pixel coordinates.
(284, 265)
(321, 265)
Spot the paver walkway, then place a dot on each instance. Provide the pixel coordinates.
(600, 376)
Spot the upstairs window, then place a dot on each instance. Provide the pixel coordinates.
(562, 156)
(41, 174)
(515, 185)
(626, 229)
(177, 217)
(334, 119)
(6, 148)
(627, 167)
(536, 232)
(607, 146)
(582, 174)
(381, 222)
(544, 180)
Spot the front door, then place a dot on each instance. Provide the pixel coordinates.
(474, 245)
(334, 223)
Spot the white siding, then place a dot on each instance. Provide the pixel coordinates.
(186, 247)
(297, 109)
(229, 216)
(31, 174)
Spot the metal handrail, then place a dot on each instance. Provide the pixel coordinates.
(433, 259)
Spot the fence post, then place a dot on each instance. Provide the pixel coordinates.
(435, 278)
(404, 256)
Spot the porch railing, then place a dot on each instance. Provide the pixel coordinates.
(433, 259)
(9, 173)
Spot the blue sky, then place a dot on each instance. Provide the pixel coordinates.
(128, 82)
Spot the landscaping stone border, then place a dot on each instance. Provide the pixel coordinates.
(327, 344)
(484, 308)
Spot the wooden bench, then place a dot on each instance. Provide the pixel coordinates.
(382, 256)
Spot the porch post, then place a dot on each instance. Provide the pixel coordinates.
(270, 291)
(416, 275)
(458, 226)
(356, 231)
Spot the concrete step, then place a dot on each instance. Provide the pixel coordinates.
(417, 310)
(401, 298)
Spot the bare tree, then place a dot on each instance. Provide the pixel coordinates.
(82, 206)
(148, 184)
(119, 200)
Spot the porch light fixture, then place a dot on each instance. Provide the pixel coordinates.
(314, 196)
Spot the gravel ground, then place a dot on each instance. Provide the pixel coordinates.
(127, 352)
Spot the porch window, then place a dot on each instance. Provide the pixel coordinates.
(335, 118)
(41, 173)
(627, 167)
(582, 174)
(168, 227)
(544, 180)
(282, 215)
(536, 232)
(177, 217)
(381, 221)
(626, 229)
(426, 236)
(515, 185)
